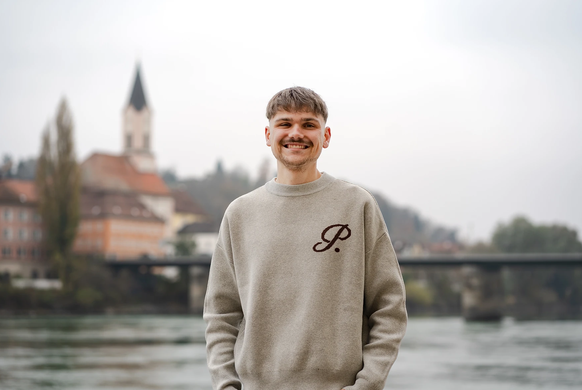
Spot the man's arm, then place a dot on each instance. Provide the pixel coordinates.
(223, 314)
(385, 309)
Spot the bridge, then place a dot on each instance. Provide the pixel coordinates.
(482, 294)
(527, 259)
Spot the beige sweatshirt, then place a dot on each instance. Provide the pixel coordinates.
(305, 291)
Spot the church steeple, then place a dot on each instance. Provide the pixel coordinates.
(137, 131)
(137, 99)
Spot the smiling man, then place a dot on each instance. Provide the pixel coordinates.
(296, 139)
(305, 291)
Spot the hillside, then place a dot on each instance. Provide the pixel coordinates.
(216, 190)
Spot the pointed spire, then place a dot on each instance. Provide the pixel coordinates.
(137, 98)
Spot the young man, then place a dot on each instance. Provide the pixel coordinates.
(305, 291)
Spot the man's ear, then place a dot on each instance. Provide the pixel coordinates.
(327, 137)
(268, 135)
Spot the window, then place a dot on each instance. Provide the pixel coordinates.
(128, 141)
(7, 214)
(146, 141)
(37, 235)
(23, 216)
(37, 217)
(34, 252)
(7, 234)
(23, 234)
(6, 251)
(21, 252)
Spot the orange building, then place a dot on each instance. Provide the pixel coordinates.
(117, 225)
(21, 230)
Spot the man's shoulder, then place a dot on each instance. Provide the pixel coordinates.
(359, 198)
(248, 200)
(353, 191)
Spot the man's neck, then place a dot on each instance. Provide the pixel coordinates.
(289, 177)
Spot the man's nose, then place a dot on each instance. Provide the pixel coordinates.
(295, 132)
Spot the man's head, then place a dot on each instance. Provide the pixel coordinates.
(297, 99)
(297, 132)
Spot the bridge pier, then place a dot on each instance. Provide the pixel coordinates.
(198, 279)
(482, 296)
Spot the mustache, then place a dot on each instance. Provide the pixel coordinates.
(296, 141)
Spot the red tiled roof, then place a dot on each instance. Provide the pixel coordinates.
(20, 191)
(185, 204)
(116, 173)
(106, 204)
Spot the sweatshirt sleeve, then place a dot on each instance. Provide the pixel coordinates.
(223, 315)
(385, 310)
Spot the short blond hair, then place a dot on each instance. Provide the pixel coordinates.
(296, 99)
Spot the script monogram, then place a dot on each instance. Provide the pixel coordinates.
(339, 235)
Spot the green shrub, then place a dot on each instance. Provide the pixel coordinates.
(417, 295)
(88, 298)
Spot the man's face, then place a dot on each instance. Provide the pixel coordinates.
(297, 138)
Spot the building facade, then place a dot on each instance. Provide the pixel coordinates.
(186, 210)
(117, 174)
(203, 234)
(116, 225)
(21, 241)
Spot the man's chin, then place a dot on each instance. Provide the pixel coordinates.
(295, 166)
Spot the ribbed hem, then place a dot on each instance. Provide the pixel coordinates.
(294, 380)
(300, 189)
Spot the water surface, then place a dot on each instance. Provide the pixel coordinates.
(168, 352)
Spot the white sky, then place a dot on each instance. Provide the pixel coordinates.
(467, 111)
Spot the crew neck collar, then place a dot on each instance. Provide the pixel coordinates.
(299, 189)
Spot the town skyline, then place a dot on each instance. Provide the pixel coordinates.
(467, 113)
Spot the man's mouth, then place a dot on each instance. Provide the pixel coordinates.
(295, 146)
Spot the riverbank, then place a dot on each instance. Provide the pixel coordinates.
(111, 311)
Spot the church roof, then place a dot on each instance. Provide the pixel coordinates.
(137, 98)
(117, 173)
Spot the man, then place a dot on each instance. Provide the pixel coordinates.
(305, 291)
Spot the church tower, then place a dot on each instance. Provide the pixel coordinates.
(137, 129)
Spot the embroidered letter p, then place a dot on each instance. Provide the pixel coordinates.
(342, 232)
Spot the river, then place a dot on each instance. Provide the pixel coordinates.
(167, 352)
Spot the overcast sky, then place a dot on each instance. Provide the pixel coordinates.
(468, 111)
